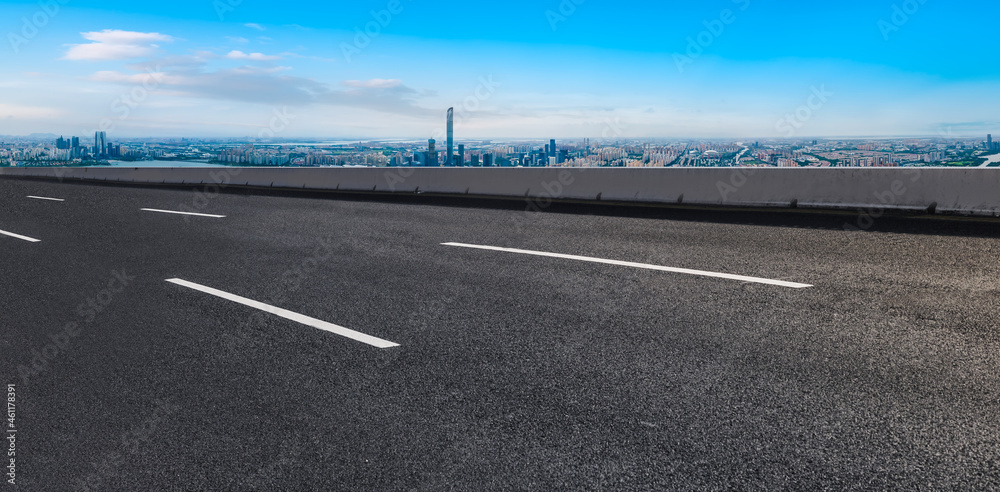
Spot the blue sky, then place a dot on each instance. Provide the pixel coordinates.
(514, 69)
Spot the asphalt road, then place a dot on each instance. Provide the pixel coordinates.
(513, 371)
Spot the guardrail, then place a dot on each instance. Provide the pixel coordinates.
(970, 191)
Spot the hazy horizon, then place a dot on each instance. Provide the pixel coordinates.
(342, 140)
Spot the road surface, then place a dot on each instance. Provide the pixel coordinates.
(338, 343)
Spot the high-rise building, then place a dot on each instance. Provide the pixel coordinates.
(451, 137)
(461, 154)
(552, 148)
(100, 143)
(76, 142)
(432, 157)
(62, 143)
(989, 141)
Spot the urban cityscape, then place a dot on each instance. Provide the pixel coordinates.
(43, 150)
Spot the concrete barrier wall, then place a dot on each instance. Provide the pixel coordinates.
(974, 191)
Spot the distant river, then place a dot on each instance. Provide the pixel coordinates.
(163, 164)
(991, 159)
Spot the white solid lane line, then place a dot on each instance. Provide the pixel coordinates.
(26, 238)
(686, 271)
(182, 213)
(313, 322)
(46, 198)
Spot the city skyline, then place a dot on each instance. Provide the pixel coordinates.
(561, 69)
(901, 152)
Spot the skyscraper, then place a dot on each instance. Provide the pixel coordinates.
(100, 143)
(552, 148)
(451, 137)
(432, 157)
(461, 154)
(989, 141)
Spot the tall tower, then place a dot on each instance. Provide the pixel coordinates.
(432, 157)
(552, 147)
(100, 143)
(451, 137)
(989, 141)
(461, 154)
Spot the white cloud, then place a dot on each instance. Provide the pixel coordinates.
(239, 55)
(254, 25)
(267, 85)
(30, 112)
(249, 70)
(112, 36)
(116, 45)
(373, 83)
(100, 51)
(138, 78)
(238, 40)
